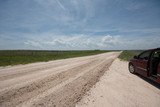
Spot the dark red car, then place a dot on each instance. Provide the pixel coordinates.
(147, 64)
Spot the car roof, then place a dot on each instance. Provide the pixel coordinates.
(153, 49)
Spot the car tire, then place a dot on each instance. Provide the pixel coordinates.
(131, 68)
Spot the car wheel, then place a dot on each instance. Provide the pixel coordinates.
(131, 68)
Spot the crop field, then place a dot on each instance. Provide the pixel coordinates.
(128, 54)
(14, 57)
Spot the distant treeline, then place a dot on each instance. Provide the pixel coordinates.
(14, 57)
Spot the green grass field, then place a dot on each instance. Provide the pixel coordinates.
(14, 57)
(128, 54)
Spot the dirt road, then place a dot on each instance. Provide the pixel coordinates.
(119, 88)
(55, 83)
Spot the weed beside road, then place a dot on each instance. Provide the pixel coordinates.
(128, 54)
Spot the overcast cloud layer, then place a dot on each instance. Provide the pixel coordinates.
(79, 24)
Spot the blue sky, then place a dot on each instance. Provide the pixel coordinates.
(79, 24)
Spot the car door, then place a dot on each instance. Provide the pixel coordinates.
(155, 65)
(158, 74)
(142, 63)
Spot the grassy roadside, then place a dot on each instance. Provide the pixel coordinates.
(14, 57)
(128, 54)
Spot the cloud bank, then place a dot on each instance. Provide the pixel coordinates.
(76, 42)
(86, 42)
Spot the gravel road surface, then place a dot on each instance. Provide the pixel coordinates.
(54, 83)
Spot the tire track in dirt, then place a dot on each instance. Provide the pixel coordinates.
(69, 92)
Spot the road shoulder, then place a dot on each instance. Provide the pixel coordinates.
(117, 87)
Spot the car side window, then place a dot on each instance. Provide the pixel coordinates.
(145, 55)
(156, 54)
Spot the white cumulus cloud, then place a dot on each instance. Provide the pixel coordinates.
(74, 42)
